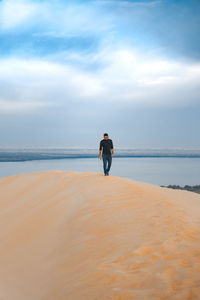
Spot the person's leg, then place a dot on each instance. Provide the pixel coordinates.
(109, 162)
(104, 163)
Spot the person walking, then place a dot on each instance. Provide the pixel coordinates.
(107, 146)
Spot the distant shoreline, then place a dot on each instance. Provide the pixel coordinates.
(190, 188)
(20, 156)
(28, 154)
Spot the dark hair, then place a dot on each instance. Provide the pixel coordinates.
(105, 134)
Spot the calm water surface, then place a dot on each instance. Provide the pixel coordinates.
(154, 170)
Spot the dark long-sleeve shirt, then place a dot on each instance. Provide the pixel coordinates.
(107, 145)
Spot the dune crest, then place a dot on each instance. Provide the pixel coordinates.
(82, 235)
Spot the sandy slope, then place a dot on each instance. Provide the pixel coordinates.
(72, 235)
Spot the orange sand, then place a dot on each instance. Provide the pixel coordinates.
(84, 236)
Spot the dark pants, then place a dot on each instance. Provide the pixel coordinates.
(106, 158)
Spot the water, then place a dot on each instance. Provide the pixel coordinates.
(154, 170)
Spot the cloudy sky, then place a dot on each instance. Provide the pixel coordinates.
(71, 70)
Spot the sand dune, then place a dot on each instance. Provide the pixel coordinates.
(84, 236)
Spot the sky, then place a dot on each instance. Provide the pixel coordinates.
(71, 70)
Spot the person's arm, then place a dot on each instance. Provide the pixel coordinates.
(100, 149)
(112, 148)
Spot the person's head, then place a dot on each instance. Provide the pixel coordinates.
(105, 136)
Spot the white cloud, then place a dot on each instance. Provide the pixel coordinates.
(125, 76)
(19, 106)
(35, 82)
(54, 19)
(15, 12)
(142, 79)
